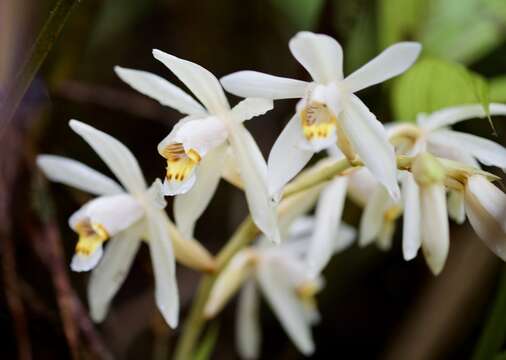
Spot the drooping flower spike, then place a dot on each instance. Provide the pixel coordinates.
(195, 149)
(279, 273)
(121, 216)
(328, 112)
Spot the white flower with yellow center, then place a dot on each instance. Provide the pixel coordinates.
(121, 216)
(195, 149)
(329, 111)
(279, 272)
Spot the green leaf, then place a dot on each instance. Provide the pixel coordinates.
(205, 349)
(432, 84)
(494, 333)
(498, 89)
(303, 14)
(393, 27)
(361, 45)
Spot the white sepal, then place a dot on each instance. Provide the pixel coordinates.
(321, 56)
(247, 322)
(200, 81)
(116, 155)
(393, 61)
(161, 90)
(259, 85)
(76, 174)
(250, 108)
(411, 232)
(109, 275)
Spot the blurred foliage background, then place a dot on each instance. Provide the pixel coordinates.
(375, 305)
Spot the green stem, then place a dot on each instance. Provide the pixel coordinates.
(36, 56)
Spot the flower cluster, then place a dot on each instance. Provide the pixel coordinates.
(425, 172)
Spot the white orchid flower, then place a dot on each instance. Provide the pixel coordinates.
(279, 273)
(432, 134)
(120, 216)
(196, 147)
(329, 111)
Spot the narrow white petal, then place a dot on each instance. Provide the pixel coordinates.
(116, 155)
(393, 61)
(254, 175)
(81, 262)
(385, 237)
(456, 208)
(452, 115)
(411, 232)
(109, 275)
(287, 307)
(490, 197)
(435, 232)
(76, 174)
(361, 185)
(250, 108)
(328, 217)
(372, 218)
(321, 56)
(248, 322)
(190, 206)
(438, 146)
(200, 81)
(286, 158)
(369, 139)
(260, 85)
(161, 90)
(162, 258)
(229, 281)
(486, 208)
(345, 237)
(486, 151)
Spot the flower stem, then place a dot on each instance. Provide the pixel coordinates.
(36, 56)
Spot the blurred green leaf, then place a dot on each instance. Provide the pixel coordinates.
(494, 333)
(116, 16)
(400, 20)
(303, 14)
(206, 347)
(361, 45)
(464, 30)
(432, 84)
(498, 89)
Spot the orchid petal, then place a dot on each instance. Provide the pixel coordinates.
(254, 175)
(435, 232)
(486, 151)
(162, 258)
(250, 108)
(411, 231)
(372, 218)
(283, 168)
(321, 56)
(247, 322)
(452, 115)
(456, 207)
(76, 174)
(283, 301)
(200, 81)
(116, 155)
(328, 216)
(369, 140)
(190, 206)
(109, 275)
(486, 208)
(161, 90)
(439, 146)
(259, 85)
(393, 61)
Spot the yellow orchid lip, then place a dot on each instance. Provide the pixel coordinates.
(180, 163)
(317, 121)
(91, 236)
